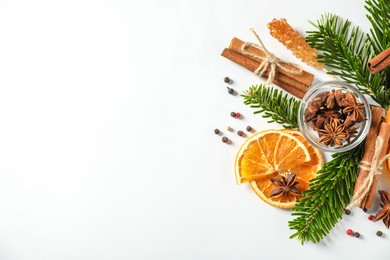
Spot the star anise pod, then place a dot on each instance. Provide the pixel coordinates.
(351, 132)
(348, 121)
(323, 96)
(353, 108)
(285, 186)
(330, 114)
(384, 213)
(312, 108)
(339, 97)
(331, 100)
(333, 133)
(317, 122)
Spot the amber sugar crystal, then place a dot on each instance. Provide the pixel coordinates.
(284, 33)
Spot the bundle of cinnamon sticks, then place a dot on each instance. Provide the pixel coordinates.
(296, 85)
(377, 130)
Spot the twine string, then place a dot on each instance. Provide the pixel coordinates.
(269, 60)
(374, 168)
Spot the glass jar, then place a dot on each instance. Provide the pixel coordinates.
(313, 136)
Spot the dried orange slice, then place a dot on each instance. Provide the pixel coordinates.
(317, 160)
(274, 154)
(387, 163)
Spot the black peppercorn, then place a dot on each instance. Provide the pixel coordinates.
(379, 233)
(347, 212)
(227, 80)
(240, 133)
(216, 131)
(249, 128)
(230, 91)
(233, 114)
(225, 139)
(364, 209)
(356, 234)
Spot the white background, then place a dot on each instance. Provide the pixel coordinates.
(107, 150)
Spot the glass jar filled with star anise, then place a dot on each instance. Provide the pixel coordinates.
(334, 116)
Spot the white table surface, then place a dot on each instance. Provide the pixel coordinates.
(107, 151)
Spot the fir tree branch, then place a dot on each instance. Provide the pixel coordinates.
(379, 17)
(329, 192)
(346, 50)
(273, 104)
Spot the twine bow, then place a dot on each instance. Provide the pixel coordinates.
(269, 60)
(374, 168)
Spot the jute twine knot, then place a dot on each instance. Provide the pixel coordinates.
(269, 60)
(374, 168)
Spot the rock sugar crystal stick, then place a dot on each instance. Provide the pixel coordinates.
(284, 33)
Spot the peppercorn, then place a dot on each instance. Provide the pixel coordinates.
(229, 128)
(216, 131)
(379, 233)
(225, 139)
(371, 217)
(364, 209)
(227, 80)
(347, 212)
(349, 232)
(230, 91)
(232, 114)
(357, 234)
(238, 115)
(240, 133)
(249, 128)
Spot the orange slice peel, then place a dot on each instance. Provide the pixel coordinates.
(273, 154)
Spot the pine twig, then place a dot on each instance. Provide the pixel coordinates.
(273, 104)
(329, 192)
(379, 17)
(347, 50)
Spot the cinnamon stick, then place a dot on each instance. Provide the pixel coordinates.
(379, 62)
(387, 117)
(302, 81)
(386, 165)
(369, 147)
(384, 133)
(252, 65)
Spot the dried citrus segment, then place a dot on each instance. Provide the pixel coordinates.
(311, 166)
(254, 164)
(282, 150)
(273, 154)
(266, 153)
(387, 163)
